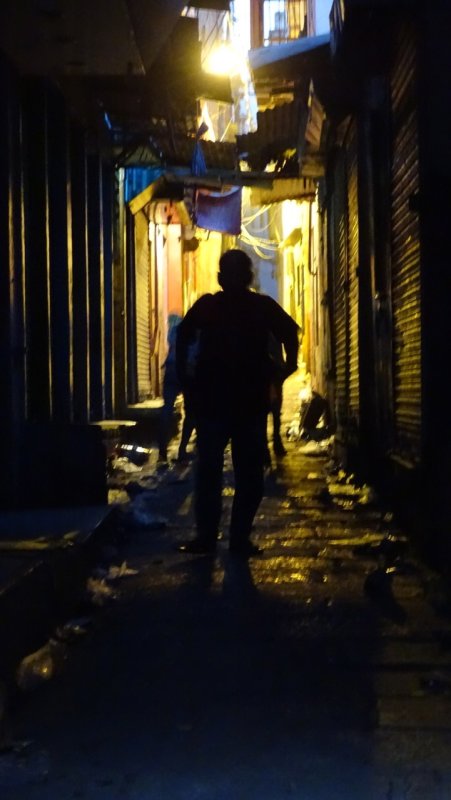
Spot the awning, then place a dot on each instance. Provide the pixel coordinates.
(176, 151)
(284, 189)
(274, 59)
(160, 193)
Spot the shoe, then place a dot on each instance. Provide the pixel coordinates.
(245, 549)
(197, 547)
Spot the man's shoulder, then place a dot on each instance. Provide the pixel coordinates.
(269, 303)
(202, 302)
(264, 299)
(209, 301)
(204, 298)
(277, 314)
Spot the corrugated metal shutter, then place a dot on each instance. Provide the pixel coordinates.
(405, 246)
(142, 301)
(353, 280)
(346, 284)
(340, 292)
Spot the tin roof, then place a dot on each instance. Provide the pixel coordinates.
(276, 137)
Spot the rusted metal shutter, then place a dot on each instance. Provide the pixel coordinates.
(142, 305)
(353, 280)
(405, 250)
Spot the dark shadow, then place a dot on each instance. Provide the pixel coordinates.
(238, 586)
(378, 587)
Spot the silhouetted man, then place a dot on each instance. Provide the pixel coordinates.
(231, 396)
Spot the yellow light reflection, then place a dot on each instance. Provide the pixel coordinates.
(222, 59)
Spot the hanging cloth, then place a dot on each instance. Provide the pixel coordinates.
(219, 211)
(198, 165)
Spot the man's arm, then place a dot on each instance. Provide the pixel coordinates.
(287, 331)
(291, 345)
(187, 335)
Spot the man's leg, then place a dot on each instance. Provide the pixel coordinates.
(248, 455)
(170, 392)
(212, 437)
(276, 407)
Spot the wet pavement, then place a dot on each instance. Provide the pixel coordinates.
(319, 671)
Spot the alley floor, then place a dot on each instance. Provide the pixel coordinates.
(318, 671)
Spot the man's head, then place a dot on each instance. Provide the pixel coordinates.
(235, 271)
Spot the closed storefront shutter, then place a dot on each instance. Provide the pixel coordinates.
(405, 250)
(340, 293)
(346, 285)
(353, 280)
(142, 301)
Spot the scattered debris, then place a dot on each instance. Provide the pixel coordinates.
(99, 591)
(73, 630)
(134, 453)
(41, 666)
(315, 448)
(114, 572)
(293, 432)
(347, 493)
(117, 497)
(120, 571)
(124, 465)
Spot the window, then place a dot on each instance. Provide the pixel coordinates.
(284, 20)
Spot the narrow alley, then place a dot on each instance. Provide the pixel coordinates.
(317, 671)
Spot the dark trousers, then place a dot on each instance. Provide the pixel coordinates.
(248, 442)
(276, 401)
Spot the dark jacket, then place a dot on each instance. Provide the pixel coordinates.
(233, 370)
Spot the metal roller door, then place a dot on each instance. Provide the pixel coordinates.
(346, 285)
(340, 292)
(405, 253)
(353, 280)
(142, 305)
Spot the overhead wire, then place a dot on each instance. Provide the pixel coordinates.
(259, 244)
(258, 213)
